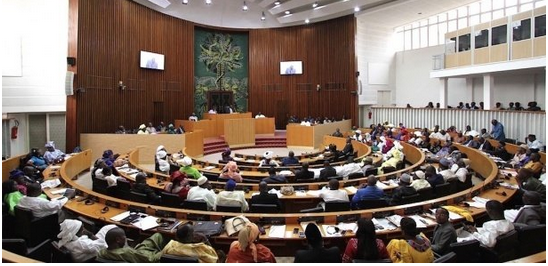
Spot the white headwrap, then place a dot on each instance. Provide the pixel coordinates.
(69, 228)
(268, 154)
(186, 161)
(161, 147)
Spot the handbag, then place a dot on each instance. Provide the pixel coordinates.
(208, 228)
(287, 190)
(235, 224)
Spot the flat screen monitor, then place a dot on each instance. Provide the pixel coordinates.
(291, 67)
(152, 60)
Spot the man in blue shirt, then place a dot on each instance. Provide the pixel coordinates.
(370, 192)
(498, 130)
(290, 159)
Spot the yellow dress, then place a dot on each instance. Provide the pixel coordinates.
(400, 250)
(202, 251)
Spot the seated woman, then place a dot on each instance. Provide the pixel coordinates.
(11, 195)
(53, 155)
(394, 156)
(179, 185)
(226, 155)
(414, 248)
(37, 160)
(231, 171)
(246, 250)
(267, 160)
(366, 245)
(83, 245)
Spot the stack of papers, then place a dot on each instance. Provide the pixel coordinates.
(478, 202)
(508, 185)
(421, 221)
(51, 183)
(58, 191)
(120, 216)
(382, 224)
(146, 223)
(277, 231)
(209, 167)
(348, 227)
(395, 219)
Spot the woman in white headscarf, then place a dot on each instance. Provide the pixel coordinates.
(267, 160)
(82, 244)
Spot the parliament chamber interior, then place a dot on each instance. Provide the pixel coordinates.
(362, 131)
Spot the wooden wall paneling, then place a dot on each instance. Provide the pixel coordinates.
(111, 36)
(112, 33)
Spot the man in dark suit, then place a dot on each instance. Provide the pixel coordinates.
(405, 189)
(273, 177)
(290, 159)
(317, 252)
(264, 197)
(533, 213)
(304, 173)
(444, 233)
(327, 171)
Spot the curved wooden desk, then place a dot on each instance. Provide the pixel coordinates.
(282, 246)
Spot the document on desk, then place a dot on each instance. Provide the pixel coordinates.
(300, 193)
(209, 167)
(313, 193)
(51, 183)
(421, 221)
(277, 231)
(452, 216)
(146, 223)
(382, 224)
(351, 190)
(395, 219)
(508, 185)
(60, 191)
(55, 167)
(348, 226)
(120, 216)
(381, 185)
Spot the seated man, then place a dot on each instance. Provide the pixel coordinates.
(148, 251)
(264, 197)
(534, 164)
(405, 189)
(533, 143)
(367, 163)
(141, 186)
(191, 244)
(333, 193)
(226, 155)
(290, 159)
(53, 155)
(444, 233)
(337, 133)
(230, 197)
(203, 192)
(273, 177)
(532, 213)
(304, 173)
(316, 251)
(488, 233)
(40, 206)
(527, 182)
(82, 244)
(348, 149)
(267, 160)
(327, 171)
(432, 177)
(193, 117)
(419, 181)
(368, 192)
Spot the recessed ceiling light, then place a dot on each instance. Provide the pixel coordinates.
(277, 3)
(356, 9)
(307, 21)
(208, 2)
(287, 12)
(315, 5)
(185, 2)
(263, 17)
(244, 7)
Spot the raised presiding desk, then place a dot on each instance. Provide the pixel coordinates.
(312, 136)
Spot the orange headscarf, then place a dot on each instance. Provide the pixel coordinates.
(246, 239)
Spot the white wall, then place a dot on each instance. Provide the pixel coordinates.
(39, 29)
(414, 85)
(375, 59)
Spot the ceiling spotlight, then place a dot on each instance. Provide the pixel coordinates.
(277, 3)
(244, 7)
(208, 2)
(356, 9)
(185, 2)
(263, 17)
(307, 21)
(315, 5)
(287, 12)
